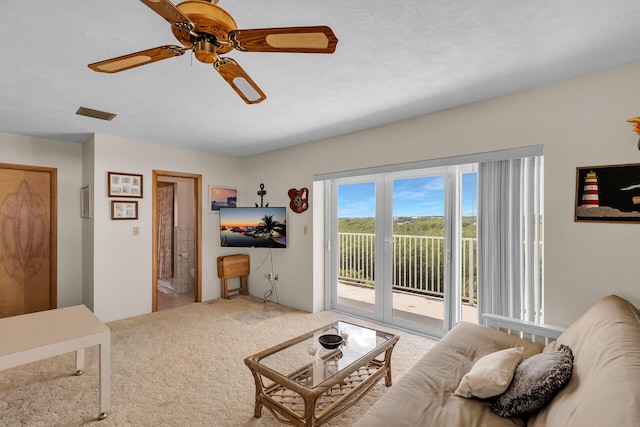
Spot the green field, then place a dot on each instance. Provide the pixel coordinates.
(408, 226)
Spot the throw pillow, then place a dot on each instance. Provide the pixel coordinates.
(491, 374)
(535, 382)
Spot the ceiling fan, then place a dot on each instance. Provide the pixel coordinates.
(208, 31)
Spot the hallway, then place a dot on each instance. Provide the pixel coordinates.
(173, 299)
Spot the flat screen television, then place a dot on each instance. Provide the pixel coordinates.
(253, 227)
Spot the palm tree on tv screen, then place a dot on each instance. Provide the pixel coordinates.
(269, 223)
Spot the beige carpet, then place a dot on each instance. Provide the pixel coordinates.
(178, 367)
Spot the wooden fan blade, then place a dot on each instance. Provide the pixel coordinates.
(172, 14)
(137, 59)
(291, 39)
(239, 80)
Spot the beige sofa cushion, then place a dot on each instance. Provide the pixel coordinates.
(491, 374)
(424, 396)
(604, 389)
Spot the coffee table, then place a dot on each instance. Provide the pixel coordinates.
(303, 384)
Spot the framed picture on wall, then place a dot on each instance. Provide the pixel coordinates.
(124, 185)
(124, 209)
(608, 193)
(85, 202)
(222, 197)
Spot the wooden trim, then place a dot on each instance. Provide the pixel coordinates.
(54, 237)
(198, 199)
(27, 168)
(154, 242)
(198, 233)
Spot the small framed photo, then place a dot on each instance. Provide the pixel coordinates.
(85, 202)
(222, 197)
(124, 185)
(608, 193)
(124, 209)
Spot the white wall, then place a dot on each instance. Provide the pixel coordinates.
(294, 265)
(66, 157)
(580, 122)
(122, 261)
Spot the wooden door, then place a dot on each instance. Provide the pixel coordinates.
(27, 239)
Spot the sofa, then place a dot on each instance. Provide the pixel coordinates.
(602, 387)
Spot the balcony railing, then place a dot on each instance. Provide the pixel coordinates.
(417, 264)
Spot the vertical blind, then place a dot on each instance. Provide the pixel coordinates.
(510, 262)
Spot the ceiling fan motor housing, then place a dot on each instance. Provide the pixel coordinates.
(205, 51)
(209, 19)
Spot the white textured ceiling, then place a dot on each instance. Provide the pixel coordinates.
(394, 60)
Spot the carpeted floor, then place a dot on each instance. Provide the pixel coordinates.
(178, 367)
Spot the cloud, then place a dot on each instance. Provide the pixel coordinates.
(363, 207)
(631, 187)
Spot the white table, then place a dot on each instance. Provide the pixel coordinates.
(35, 336)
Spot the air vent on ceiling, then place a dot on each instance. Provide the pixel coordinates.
(96, 114)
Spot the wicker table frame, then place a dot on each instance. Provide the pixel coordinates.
(294, 404)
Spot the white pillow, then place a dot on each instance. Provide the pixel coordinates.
(491, 374)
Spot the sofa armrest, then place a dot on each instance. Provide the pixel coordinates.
(536, 332)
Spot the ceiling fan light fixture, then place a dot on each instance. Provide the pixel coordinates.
(208, 20)
(205, 51)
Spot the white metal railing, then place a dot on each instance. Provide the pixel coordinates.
(417, 264)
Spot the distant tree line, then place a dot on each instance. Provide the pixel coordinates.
(408, 226)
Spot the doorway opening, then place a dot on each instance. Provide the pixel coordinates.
(177, 244)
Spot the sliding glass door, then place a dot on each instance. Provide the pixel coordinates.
(356, 263)
(398, 254)
(417, 263)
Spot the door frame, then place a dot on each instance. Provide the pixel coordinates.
(197, 189)
(53, 226)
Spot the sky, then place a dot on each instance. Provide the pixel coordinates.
(221, 194)
(422, 196)
(244, 217)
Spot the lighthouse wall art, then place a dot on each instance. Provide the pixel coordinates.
(608, 193)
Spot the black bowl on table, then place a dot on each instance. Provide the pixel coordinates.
(330, 341)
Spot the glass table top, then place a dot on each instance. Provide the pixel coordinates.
(305, 361)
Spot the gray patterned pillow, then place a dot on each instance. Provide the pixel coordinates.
(535, 382)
